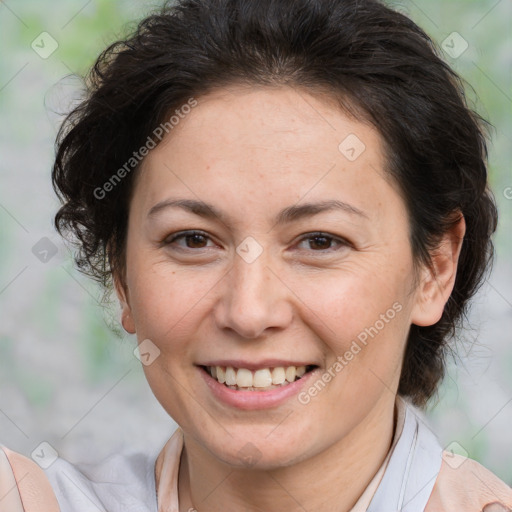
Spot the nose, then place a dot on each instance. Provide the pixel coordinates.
(254, 299)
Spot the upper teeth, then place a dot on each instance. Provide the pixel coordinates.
(265, 377)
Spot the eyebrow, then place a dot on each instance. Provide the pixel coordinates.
(287, 215)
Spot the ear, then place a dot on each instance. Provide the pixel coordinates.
(126, 312)
(436, 284)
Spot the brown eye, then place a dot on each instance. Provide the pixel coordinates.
(321, 242)
(193, 240)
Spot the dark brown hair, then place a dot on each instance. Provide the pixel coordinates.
(376, 62)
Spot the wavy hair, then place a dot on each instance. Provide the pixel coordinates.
(375, 62)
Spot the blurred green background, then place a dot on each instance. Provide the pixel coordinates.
(66, 377)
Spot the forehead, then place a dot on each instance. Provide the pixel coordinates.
(265, 145)
(281, 118)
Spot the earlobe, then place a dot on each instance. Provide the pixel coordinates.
(126, 313)
(127, 322)
(436, 283)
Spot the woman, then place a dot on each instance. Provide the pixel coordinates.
(290, 201)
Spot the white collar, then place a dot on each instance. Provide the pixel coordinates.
(403, 482)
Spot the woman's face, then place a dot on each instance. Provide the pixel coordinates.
(270, 282)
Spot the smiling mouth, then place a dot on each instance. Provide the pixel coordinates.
(264, 379)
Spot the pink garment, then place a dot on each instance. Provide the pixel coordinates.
(23, 485)
(468, 487)
(167, 467)
(461, 484)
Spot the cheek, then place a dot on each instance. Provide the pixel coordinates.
(354, 305)
(166, 306)
(166, 301)
(363, 325)
(363, 322)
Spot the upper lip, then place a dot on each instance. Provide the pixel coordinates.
(255, 365)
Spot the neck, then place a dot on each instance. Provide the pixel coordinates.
(331, 480)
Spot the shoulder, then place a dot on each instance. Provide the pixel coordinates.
(464, 484)
(23, 484)
(120, 482)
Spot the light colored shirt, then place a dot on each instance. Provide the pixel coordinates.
(120, 483)
(364, 501)
(416, 476)
(126, 482)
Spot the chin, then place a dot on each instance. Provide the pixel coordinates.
(260, 448)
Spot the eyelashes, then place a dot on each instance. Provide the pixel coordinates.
(196, 237)
(324, 236)
(185, 235)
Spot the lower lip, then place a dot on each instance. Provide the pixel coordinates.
(250, 400)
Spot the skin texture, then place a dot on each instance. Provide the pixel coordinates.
(464, 484)
(251, 152)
